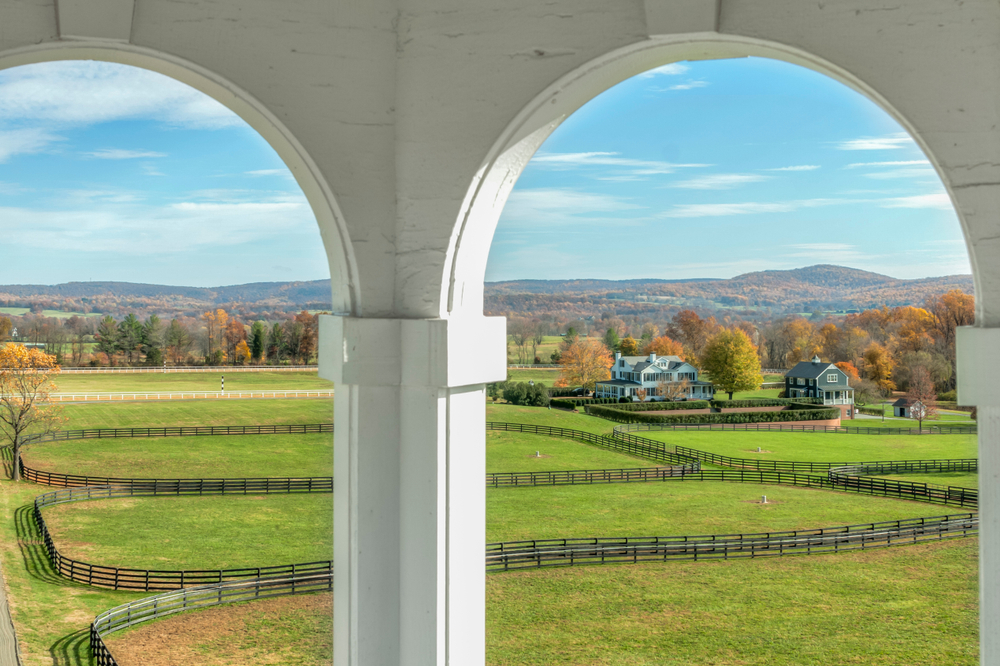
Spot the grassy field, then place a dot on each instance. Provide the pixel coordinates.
(551, 417)
(547, 377)
(832, 447)
(963, 479)
(211, 532)
(515, 452)
(196, 412)
(894, 607)
(679, 508)
(188, 381)
(58, 314)
(746, 395)
(188, 457)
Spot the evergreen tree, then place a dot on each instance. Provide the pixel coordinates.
(258, 341)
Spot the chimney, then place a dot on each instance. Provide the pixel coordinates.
(816, 360)
(652, 358)
(618, 355)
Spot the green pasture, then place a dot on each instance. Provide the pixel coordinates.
(746, 395)
(152, 382)
(550, 417)
(961, 479)
(196, 413)
(59, 314)
(210, 532)
(891, 607)
(544, 351)
(226, 456)
(678, 508)
(515, 452)
(823, 447)
(547, 377)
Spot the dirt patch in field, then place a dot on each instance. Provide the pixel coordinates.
(756, 451)
(539, 457)
(291, 631)
(768, 503)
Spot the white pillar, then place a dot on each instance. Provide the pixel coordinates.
(978, 366)
(409, 497)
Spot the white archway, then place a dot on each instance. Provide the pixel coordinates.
(332, 226)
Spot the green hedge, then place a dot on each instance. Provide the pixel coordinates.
(622, 416)
(663, 406)
(766, 402)
(572, 403)
(870, 411)
(559, 392)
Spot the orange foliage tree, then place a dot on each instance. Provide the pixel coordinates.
(878, 366)
(25, 384)
(585, 363)
(663, 346)
(849, 370)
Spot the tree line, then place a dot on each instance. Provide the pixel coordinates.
(216, 337)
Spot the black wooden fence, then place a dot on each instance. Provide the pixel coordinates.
(182, 431)
(163, 605)
(121, 578)
(601, 550)
(775, 426)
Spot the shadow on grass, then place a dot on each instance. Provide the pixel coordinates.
(72, 650)
(29, 540)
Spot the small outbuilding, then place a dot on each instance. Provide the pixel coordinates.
(904, 407)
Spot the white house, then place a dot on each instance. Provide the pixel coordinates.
(629, 374)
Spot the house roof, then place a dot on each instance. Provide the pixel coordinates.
(904, 402)
(619, 382)
(810, 370)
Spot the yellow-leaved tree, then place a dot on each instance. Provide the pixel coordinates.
(585, 363)
(25, 384)
(242, 353)
(629, 346)
(732, 362)
(663, 346)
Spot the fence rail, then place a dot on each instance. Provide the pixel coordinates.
(195, 368)
(187, 395)
(581, 476)
(124, 578)
(169, 603)
(776, 426)
(568, 552)
(182, 431)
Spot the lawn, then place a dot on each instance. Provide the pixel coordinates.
(197, 413)
(962, 479)
(675, 508)
(211, 532)
(824, 447)
(547, 377)
(746, 395)
(153, 382)
(58, 314)
(893, 607)
(232, 456)
(515, 452)
(551, 417)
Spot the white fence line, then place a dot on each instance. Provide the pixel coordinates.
(196, 368)
(186, 395)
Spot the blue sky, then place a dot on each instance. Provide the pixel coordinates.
(110, 172)
(706, 169)
(716, 168)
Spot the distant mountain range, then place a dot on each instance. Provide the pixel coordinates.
(823, 287)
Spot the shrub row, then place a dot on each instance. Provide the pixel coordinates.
(558, 392)
(870, 411)
(663, 406)
(571, 403)
(522, 393)
(622, 416)
(765, 402)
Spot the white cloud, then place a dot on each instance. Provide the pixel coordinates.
(891, 142)
(720, 181)
(689, 85)
(267, 172)
(749, 208)
(531, 208)
(21, 141)
(940, 201)
(150, 170)
(901, 173)
(673, 69)
(880, 164)
(119, 154)
(69, 93)
(798, 167)
(630, 166)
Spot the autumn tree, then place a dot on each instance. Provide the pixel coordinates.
(878, 367)
(6, 326)
(852, 372)
(922, 396)
(585, 363)
(732, 362)
(692, 332)
(663, 346)
(673, 390)
(233, 335)
(241, 353)
(950, 310)
(310, 334)
(25, 383)
(629, 346)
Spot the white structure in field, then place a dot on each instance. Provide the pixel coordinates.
(630, 374)
(407, 123)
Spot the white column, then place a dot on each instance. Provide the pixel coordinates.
(978, 366)
(409, 496)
